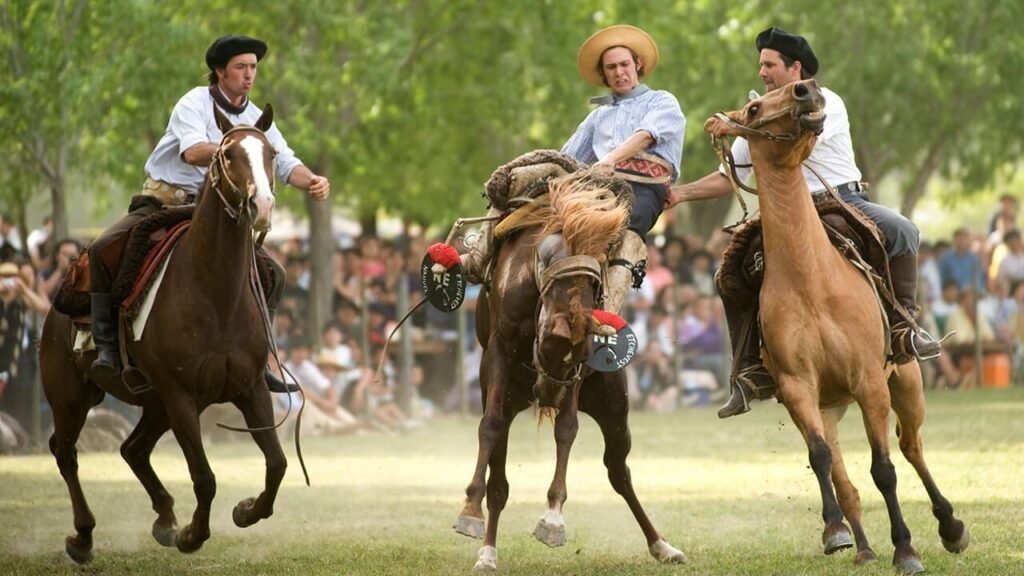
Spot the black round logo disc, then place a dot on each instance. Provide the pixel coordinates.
(611, 353)
(446, 290)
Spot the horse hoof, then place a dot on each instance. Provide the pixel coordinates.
(487, 561)
(550, 529)
(242, 513)
(667, 553)
(186, 543)
(839, 541)
(960, 545)
(909, 566)
(165, 535)
(470, 526)
(864, 557)
(80, 554)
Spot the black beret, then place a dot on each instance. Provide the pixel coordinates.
(225, 48)
(793, 46)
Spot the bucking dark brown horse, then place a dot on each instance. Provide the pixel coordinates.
(205, 342)
(823, 331)
(535, 323)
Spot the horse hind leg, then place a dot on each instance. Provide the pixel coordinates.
(908, 403)
(551, 527)
(68, 420)
(136, 451)
(875, 411)
(846, 492)
(608, 404)
(259, 413)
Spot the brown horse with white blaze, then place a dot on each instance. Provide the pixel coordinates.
(205, 342)
(535, 324)
(823, 331)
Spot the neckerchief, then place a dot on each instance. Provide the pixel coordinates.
(614, 98)
(223, 102)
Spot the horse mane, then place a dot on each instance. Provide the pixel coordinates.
(588, 214)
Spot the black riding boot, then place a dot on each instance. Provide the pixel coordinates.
(104, 334)
(750, 379)
(908, 341)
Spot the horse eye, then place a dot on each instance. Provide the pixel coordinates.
(753, 110)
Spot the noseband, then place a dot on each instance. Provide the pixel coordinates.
(219, 171)
(755, 127)
(564, 268)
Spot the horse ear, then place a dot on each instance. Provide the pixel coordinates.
(266, 119)
(223, 123)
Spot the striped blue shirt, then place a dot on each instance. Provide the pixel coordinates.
(656, 112)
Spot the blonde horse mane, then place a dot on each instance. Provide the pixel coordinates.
(588, 215)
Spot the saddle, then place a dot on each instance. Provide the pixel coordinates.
(855, 236)
(136, 260)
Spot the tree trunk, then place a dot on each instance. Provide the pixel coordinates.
(59, 213)
(321, 282)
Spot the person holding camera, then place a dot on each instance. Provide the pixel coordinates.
(20, 307)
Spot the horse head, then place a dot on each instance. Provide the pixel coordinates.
(570, 285)
(242, 170)
(586, 217)
(780, 126)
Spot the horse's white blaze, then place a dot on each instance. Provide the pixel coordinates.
(264, 194)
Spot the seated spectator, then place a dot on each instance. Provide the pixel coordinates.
(701, 339)
(377, 396)
(946, 305)
(701, 267)
(322, 414)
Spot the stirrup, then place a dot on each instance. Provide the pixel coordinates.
(738, 402)
(904, 349)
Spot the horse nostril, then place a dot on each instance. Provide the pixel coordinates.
(801, 91)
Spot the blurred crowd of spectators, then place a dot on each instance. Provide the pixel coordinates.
(971, 284)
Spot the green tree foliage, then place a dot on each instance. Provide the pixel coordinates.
(408, 105)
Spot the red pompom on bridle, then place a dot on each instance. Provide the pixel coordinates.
(609, 319)
(444, 255)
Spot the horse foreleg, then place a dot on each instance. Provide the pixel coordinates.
(846, 492)
(136, 451)
(875, 410)
(607, 402)
(908, 402)
(551, 526)
(493, 427)
(803, 409)
(259, 413)
(184, 418)
(68, 419)
(497, 495)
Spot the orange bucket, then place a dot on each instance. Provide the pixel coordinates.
(995, 369)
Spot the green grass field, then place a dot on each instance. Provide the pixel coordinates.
(737, 496)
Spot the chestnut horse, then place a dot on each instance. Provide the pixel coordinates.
(823, 334)
(535, 324)
(205, 342)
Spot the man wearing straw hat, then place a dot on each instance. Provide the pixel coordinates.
(635, 133)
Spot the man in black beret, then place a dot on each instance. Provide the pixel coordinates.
(177, 167)
(785, 58)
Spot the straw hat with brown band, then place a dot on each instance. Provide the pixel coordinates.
(631, 37)
(9, 270)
